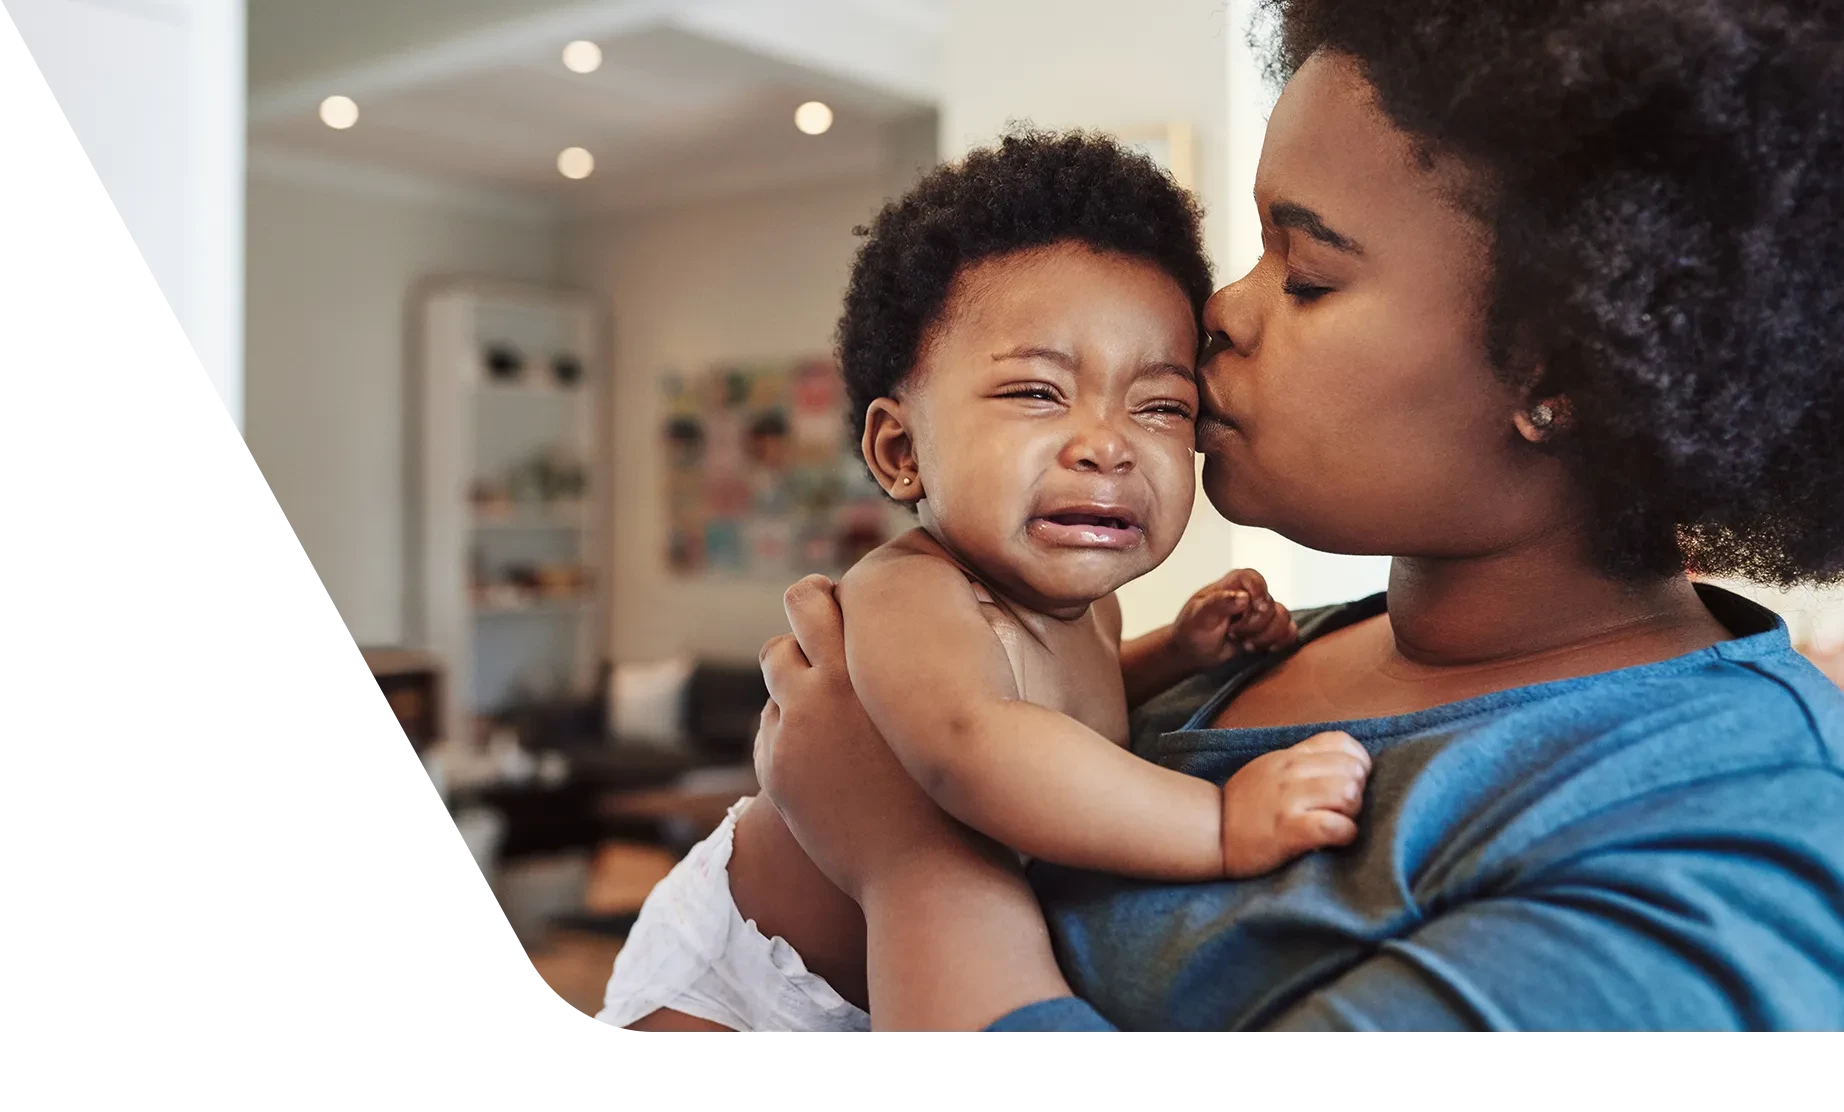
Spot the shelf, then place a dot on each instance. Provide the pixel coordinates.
(539, 388)
(557, 517)
(537, 607)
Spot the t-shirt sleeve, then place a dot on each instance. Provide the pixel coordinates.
(1064, 1013)
(1705, 910)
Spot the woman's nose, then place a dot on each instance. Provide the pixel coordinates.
(1232, 318)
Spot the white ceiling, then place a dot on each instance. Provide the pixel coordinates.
(692, 96)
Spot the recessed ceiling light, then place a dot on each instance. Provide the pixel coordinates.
(339, 112)
(582, 56)
(813, 118)
(575, 163)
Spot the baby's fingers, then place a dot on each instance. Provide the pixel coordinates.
(1334, 741)
(1311, 830)
(1302, 832)
(1281, 636)
(1211, 613)
(1247, 580)
(1223, 604)
(1337, 791)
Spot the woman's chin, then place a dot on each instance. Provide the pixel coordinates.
(1229, 498)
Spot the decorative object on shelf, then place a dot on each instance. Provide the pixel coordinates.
(763, 476)
(522, 585)
(561, 476)
(525, 482)
(554, 476)
(504, 363)
(566, 368)
(561, 580)
(489, 498)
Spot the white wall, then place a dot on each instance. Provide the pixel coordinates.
(747, 278)
(331, 268)
(154, 91)
(1088, 63)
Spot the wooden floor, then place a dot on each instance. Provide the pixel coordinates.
(576, 965)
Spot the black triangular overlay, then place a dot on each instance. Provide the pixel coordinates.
(271, 847)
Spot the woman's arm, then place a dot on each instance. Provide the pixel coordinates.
(938, 685)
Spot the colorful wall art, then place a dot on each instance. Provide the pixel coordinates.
(763, 477)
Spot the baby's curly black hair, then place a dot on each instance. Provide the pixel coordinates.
(1664, 185)
(1035, 188)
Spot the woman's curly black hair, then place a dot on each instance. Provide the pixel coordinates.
(1033, 189)
(1664, 185)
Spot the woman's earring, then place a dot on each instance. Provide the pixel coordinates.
(1542, 415)
(907, 480)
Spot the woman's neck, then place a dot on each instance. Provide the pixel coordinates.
(1542, 600)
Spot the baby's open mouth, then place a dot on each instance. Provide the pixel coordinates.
(1088, 527)
(1091, 519)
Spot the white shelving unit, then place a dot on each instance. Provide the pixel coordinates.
(471, 427)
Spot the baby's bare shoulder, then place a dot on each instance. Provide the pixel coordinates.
(914, 576)
(904, 568)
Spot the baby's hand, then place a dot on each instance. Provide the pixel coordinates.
(1232, 615)
(1289, 802)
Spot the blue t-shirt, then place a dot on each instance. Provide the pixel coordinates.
(1658, 847)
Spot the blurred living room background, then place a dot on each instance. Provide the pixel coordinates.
(525, 310)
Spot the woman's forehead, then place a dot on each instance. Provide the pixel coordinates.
(1330, 149)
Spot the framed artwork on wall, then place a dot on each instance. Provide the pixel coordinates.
(763, 477)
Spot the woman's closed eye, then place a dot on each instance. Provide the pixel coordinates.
(1304, 290)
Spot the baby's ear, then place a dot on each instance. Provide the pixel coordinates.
(890, 452)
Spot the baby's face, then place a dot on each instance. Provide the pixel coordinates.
(1051, 414)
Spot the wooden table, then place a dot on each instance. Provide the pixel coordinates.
(700, 809)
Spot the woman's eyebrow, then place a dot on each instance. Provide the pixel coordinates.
(1286, 214)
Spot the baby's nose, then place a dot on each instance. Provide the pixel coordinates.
(1100, 447)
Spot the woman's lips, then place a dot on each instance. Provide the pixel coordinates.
(1082, 529)
(1214, 430)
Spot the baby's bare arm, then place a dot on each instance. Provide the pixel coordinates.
(937, 683)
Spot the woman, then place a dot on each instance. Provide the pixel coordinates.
(1550, 312)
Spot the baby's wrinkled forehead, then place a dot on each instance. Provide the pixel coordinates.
(1097, 308)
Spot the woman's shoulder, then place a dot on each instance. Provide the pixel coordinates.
(1737, 751)
(1754, 696)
